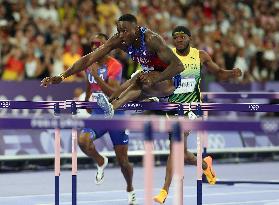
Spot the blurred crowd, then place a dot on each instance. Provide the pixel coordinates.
(39, 38)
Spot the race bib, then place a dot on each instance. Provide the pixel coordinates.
(187, 86)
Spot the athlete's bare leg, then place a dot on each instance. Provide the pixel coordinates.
(121, 152)
(137, 89)
(87, 146)
(123, 87)
(189, 158)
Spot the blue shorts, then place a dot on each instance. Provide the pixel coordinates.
(117, 137)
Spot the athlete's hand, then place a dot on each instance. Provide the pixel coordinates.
(236, 72)
(51, 80)
(146, 80)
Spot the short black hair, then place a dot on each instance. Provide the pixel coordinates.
(181, 29)
(102, 35)
(128, 17)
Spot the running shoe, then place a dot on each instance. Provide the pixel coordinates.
(209, 172)
(100, 172)
(161, 197)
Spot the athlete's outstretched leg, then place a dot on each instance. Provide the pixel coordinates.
(134, 91)
(123, 87)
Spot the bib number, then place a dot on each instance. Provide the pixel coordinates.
(187, 86)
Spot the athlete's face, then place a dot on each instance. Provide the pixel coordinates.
(96, 42)
(127, 31)
(181, 41)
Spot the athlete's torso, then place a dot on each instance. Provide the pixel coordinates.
(189, 88)
(148, 60)
(111, 69)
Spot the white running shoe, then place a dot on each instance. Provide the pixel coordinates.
(100, 172)
(132, 198)
(103, 102)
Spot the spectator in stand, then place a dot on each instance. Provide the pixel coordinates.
(218, 26)
(13, 65)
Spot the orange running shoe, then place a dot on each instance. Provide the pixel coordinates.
(209, 172)
(161, 197)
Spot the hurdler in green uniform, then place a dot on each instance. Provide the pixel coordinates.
(189, 89)
(188, 92)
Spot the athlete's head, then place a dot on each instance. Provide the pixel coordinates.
(181, 36)
(97, 40)
(127, 28)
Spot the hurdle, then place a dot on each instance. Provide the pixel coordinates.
(159, 124)
(237, 95)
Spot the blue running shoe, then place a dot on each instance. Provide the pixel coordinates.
(103, 102)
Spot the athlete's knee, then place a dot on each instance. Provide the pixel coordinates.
(123, 160)
(85, 143)
(83, 138)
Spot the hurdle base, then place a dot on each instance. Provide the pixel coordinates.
(56, 190)
(199, 192)
(74, 189)
(228, 182)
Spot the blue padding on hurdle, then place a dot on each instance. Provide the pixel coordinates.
(56, 190)
(73, 108)
(199, 192)
(148, 133)
(56, 109)
(176, 132)
(74, 189)
(199, 110)
(180, 110)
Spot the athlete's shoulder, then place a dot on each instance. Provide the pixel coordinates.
(152, 37)
(154, 41)
(204, 56)
(193, 49)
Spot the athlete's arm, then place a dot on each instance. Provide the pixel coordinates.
(87, 91)
(167, 56)
(88, 94)
(220, 73)
(85, 61)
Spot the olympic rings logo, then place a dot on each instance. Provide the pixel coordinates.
(5, 104)
(254, 107)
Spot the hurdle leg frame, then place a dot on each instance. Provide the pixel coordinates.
(199, 168)
(74, 157)
(57, 164)
(57, 147)
(148, 163)
(178, 163)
